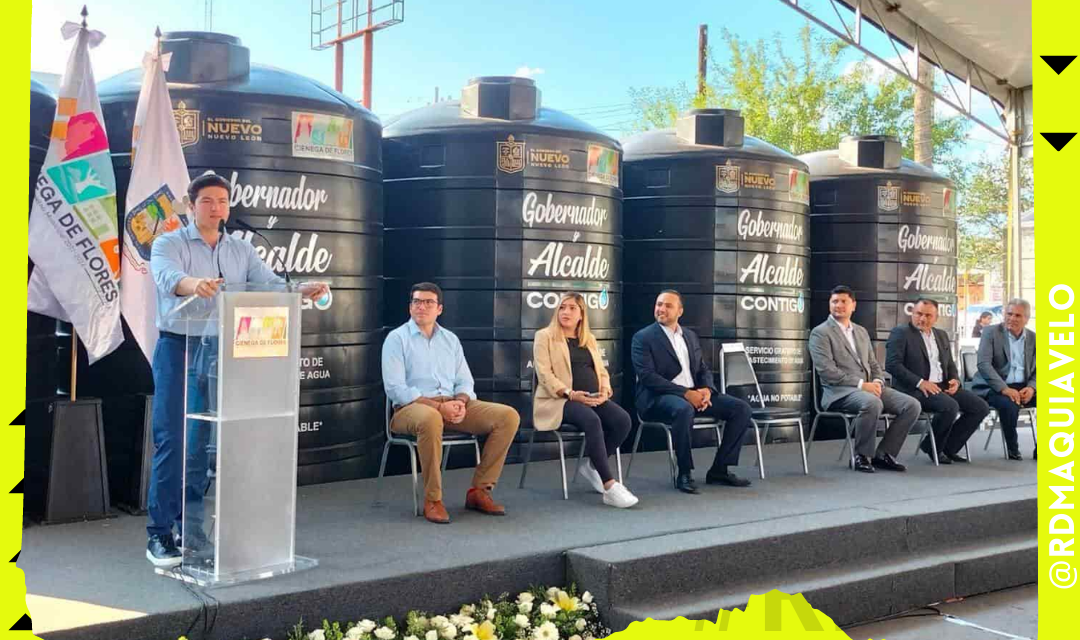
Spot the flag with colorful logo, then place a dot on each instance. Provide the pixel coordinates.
(155, 197)
(73, 233)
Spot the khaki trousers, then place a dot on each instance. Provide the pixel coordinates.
(497, 421)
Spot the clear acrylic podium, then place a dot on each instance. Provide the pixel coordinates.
(241, 399)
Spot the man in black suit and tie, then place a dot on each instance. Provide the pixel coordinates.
(920, 360)
(674, 385)
(1007, 369)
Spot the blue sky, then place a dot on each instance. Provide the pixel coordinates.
(584, 55)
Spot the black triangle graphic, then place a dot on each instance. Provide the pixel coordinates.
(1058, 63)
(18, 488)
(23, 624)
(16, 558)
(20, 419)
(1058, 140)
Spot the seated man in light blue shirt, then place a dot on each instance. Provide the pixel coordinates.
(428, 381)
(1006, 377)
(191, 261)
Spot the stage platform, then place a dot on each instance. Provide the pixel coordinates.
(859, 546)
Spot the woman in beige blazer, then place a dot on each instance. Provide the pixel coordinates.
(575, 388)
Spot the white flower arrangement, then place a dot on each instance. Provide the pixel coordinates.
(536, 614)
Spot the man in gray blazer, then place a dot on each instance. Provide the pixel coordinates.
(852, 382)
(1006, 376)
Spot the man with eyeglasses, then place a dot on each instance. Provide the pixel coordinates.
(429, 383)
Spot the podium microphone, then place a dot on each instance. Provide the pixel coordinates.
(269, 247)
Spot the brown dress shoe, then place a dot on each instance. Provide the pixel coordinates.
(481, 500)
(435, 512)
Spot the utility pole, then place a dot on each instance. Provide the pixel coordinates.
(208, 15)
(703, 52)
(924, 115)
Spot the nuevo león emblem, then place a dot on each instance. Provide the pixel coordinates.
(187, 123)
(727, 178)
(510, 155)
(888, 197)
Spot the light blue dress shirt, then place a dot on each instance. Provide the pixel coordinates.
(183, 253)
(1016, 358)
(415, 366)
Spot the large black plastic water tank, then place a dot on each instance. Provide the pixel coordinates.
(504, 204)
(722, 218)
(42, 366)
(306, 169)
(886, 227)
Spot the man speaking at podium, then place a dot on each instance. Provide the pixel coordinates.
(191, 261)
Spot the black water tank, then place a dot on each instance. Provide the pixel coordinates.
(504, 204)
(886, 227)
(722, 218)
(42, 360)
(306, 168)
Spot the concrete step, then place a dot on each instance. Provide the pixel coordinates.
(901, 555)
(862, 593)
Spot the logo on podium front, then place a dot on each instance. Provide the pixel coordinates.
(261, 332)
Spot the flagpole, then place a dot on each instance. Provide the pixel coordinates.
(74, 333)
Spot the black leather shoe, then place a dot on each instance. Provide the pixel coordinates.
(862, 463)
(730, 479)
(1015, 455)
(941, 458)
(685, 483)
(886, 461)
(161, 552)
(957, 457)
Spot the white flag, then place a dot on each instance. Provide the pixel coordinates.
(155, 198)
(73, 235)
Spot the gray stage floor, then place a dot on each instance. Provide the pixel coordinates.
(94, 572)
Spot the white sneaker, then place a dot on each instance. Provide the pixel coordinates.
(619, 496)
(587, 471)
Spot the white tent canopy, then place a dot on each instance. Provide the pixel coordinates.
(986, 43)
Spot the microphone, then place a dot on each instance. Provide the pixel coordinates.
(270, 247)
(222, 231)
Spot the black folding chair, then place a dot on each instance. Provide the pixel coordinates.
(450, 439)
(736, 371)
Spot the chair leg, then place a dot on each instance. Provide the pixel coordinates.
(849, 446)
(382, 470)
(989, 437)
(577, 466)
(933, 442)
(813, 429)
(476, 446)
(671, 452)
(1034, 430)
(802, 449)
(757, 438)
(415, 494)
(633, 450)
(562, 465)
(618, 463)
(528, 457)
(445, 457)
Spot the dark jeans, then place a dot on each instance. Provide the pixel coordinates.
(168, 496)
(605, 427)
(676, 411)
(1009, 413)
(951, 433)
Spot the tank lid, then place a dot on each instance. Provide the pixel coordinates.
(501, 97)
(711, 127)
(203, 56)
(877, 151)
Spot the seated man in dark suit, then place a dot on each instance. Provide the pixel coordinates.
(674, 385)
(1006, 376)
(920, 360)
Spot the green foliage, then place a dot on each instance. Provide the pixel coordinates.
(795, 95)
